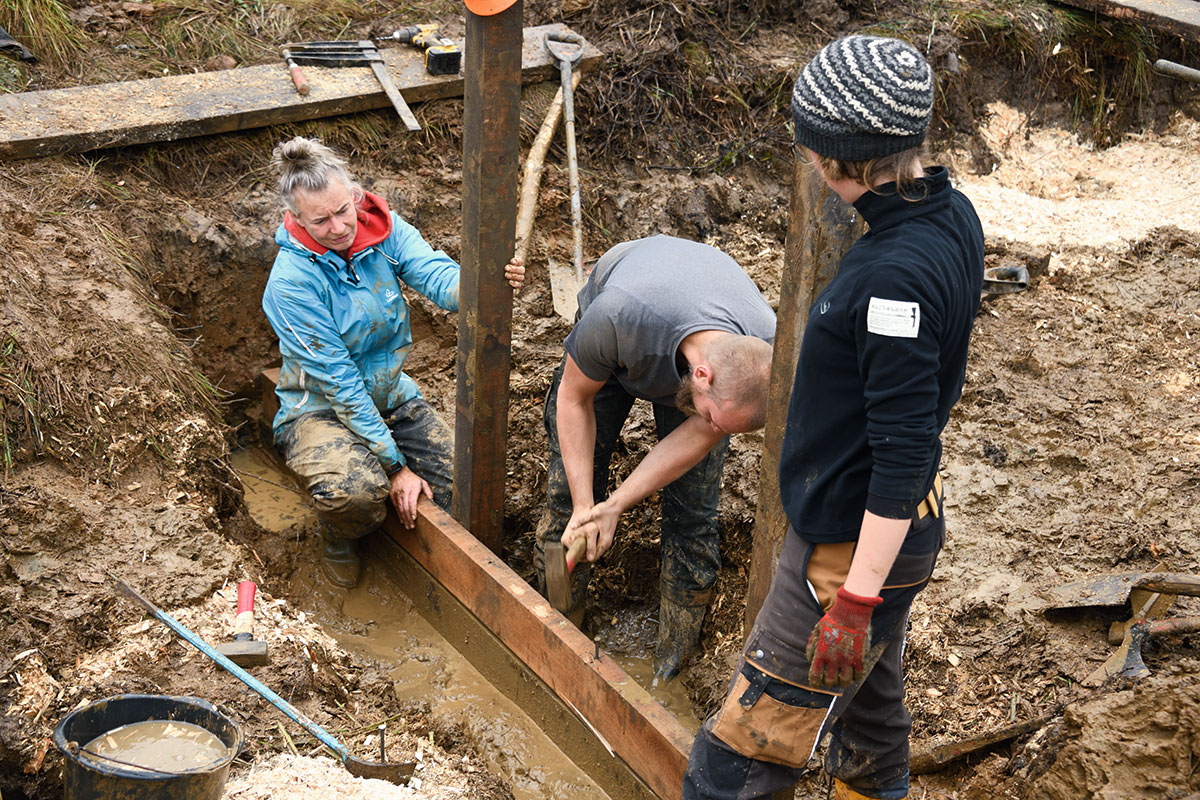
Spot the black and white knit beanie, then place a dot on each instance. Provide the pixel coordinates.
(863, 97)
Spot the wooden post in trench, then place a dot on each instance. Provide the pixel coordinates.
(491, 120)
(821, 229)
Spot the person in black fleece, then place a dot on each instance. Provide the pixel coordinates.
(882, 363)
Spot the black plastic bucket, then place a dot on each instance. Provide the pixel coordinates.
(87, 779)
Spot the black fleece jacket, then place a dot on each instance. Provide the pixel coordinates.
(883, 362)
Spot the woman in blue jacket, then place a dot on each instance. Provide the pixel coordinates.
(351, 424)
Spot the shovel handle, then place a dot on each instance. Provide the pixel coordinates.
(575, 552)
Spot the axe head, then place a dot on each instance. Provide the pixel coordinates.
(1126, 661)
(558, 578)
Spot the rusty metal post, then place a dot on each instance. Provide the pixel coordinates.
(821, 229)
(491, 120)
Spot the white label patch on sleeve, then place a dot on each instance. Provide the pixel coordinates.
(893, 318)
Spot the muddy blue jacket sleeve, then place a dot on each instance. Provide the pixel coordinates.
(309, 339)
(897, 326)
(431, 272)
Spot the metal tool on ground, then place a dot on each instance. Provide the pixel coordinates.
(244, 650)
(560, 562)
(1114, 590)
(298, 79)
(567, 49)
(398, 772)
(354, 54)
(442, 55)
(1127, 661)
(1005, 280)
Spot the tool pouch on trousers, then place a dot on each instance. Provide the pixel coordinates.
(767, 719)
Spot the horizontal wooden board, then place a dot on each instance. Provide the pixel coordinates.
(639, 730)
(1180, 17)
(83, 118)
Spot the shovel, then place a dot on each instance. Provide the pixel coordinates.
(565, 282)
(396, 772)
(1115, 590)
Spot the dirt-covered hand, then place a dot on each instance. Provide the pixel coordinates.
(599, 524)
(407, 488)
(514, 273)
(836, 646)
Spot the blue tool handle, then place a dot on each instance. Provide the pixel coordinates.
(241, 674)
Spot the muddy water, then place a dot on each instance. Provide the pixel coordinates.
(377, 620)
(157, 746)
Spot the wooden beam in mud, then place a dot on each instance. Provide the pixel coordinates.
(1180, 17)
(640, 731)
(78, 119)
(491, 148)
(821, 229)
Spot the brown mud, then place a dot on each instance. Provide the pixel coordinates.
(131, 335)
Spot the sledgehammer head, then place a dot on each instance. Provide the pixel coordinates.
(559, 563)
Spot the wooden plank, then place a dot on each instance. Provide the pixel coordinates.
(83, 118)
(504, 671)
(821, 229)
(1180, 17)
(640, 731)
(491, 148)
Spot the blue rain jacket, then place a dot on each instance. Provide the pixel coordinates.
(344, 328)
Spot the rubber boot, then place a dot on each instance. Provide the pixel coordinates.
(679, 622)
(339, 560)
(843, 792)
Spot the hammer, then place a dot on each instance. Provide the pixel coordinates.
(559, 564)
(1127, 661)
(244, 650)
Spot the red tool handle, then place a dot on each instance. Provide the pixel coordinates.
(299, 79)
(244, 620)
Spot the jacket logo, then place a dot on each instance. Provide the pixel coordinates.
(390, 295)
(824, 306)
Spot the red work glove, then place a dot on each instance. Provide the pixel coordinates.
(837, 644)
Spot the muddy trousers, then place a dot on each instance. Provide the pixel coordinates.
(345, 479)
(691, 553)
(762, 738)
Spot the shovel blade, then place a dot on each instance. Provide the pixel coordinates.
(558, 581)
(564, 290)
(397, 772)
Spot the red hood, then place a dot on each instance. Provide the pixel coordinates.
(374, 225)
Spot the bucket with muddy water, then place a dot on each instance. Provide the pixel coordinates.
(135, 746)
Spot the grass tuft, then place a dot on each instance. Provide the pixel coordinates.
(44, 27)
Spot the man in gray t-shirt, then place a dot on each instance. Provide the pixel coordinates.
(680, 324)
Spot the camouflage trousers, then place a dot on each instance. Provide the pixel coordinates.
(345, 479)
(691, 552)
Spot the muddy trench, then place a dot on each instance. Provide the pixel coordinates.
(131, 329)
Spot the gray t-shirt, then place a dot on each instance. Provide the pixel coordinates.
(645, 296)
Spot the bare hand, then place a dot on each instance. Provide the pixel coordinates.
(407, 488)
(598, 524)
(514, 272)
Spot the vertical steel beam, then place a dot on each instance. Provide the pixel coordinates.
(491, 120)
(821, 229)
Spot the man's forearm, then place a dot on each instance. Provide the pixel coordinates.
(879, 543)
(577, 444)
(678, 452)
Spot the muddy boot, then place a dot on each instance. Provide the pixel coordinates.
(843, 792)
(339, 560)
(679, 621)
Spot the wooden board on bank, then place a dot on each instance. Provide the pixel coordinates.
(1180, 17)
(83, 118)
